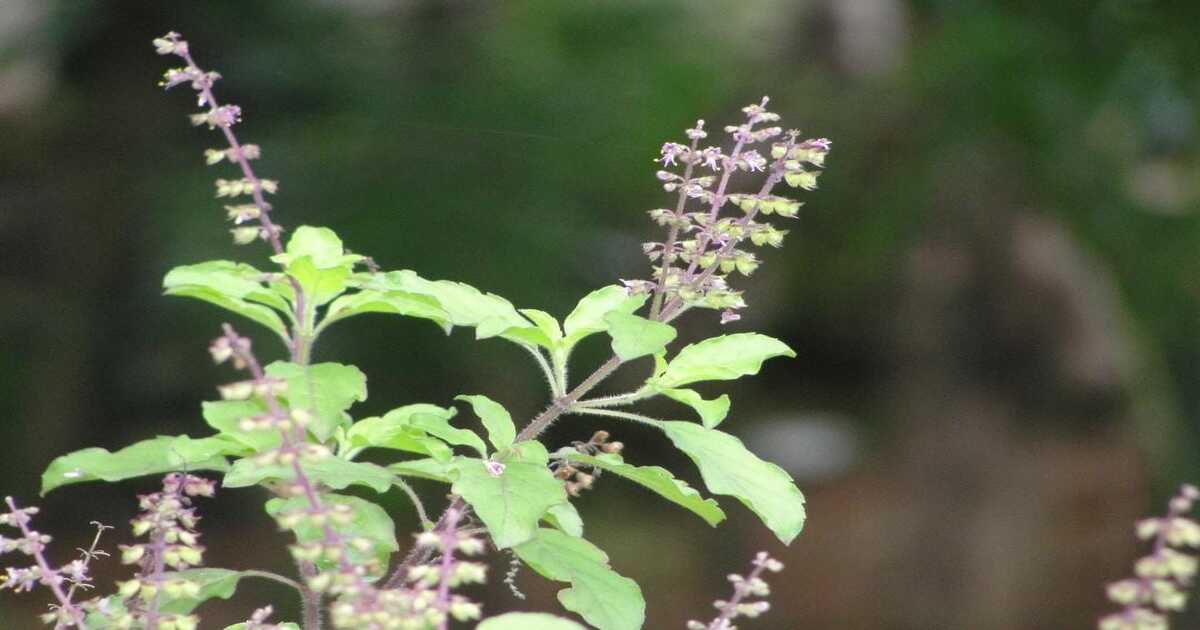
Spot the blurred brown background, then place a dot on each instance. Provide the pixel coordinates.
(993, 296)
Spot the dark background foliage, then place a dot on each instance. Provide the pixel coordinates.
(993, 296)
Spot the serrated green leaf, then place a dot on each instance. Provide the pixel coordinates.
(321, 245)
(319, 285)
(496, 419)
(233, 286)
(566, 518)
(634, 336)
(510, 503)
(528, 621)
(712, 412)
(588, 316)
(436, 421)
(721, 358)
(316, 259)
(600, 595)
(325, 389)
(545, 323)
(490, 314)
(395, 430)
(392, 302)
(654, 478)
(334, 472)
(531, 452)
(148, 457)
(370, 522)
(425, 468)
(728, 468)
(226, 417)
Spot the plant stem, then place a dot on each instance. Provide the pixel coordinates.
(540, 423)
(729, 610)
(617, 400)
(416, 500)
(668, 255)
(52, 578)
(555, 388)
(264, 208)
(676, 306)
(613, 413)
(274, 577)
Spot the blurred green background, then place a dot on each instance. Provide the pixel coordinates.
(993, 296)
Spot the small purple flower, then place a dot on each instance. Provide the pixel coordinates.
(670, 151)
(226, 116)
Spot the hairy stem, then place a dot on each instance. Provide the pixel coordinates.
(547, 371)
(613, 413)
(274, 577)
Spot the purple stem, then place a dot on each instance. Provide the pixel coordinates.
(675, 307)
(158, 564)
(299, 345)
(50, 577)
(449, 543)
(264, 208)
(729, 610)
(668, 255)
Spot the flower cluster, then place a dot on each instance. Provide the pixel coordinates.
(431, 584)
(1164, 575)
(33, 544)
(576, 480)
(335, 564)
(744, 587)
(703, 247)
(168, 521)
(224, 117)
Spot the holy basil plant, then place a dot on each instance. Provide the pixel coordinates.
(289, 427)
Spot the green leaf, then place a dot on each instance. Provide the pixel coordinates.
(728, 468)
(490, 314)
(226, 417)
(601, 596)
(588, 316)
(321, 245)
(510, 503)
(316, 259)
(545, 323)
(149, 457)
(721, 358)
(392, 302)
(634, 336)
(396, 430)
(566, 518)
(653, 478)
(242, 626)
(528, 621)
(325, 389)
(712, 412)
(213, 583)
(334, 472)
(425, 468)
(234, 287)
(436, 421)
(370, 522)
(496, 419)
